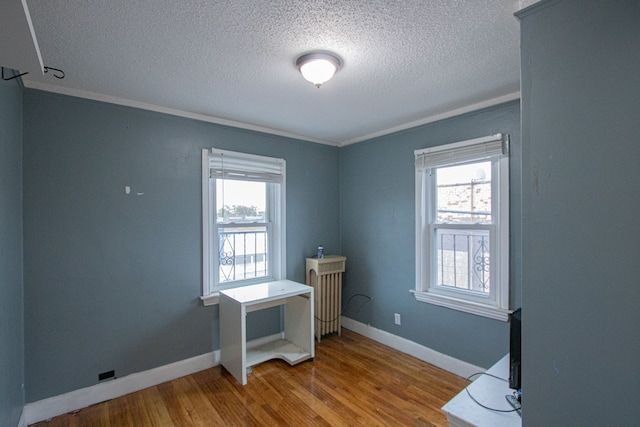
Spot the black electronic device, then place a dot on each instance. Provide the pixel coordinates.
(515, 349)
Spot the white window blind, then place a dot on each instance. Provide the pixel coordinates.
(246, 167)
(462, 152)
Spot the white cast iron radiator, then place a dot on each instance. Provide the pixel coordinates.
(325, 276)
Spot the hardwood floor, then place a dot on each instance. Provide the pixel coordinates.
(352, 381)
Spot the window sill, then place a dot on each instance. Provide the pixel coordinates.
(478, 309)
(211, 299)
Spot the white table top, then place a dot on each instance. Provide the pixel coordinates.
(263, 292)
(490, 392)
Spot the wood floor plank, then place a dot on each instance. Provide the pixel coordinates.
(156, 411)
(320, 400)
(94, 416)
(352, 381)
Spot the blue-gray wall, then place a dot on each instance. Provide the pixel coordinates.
(11, 281)
(581, 198)
(377, 205)
(112, 280)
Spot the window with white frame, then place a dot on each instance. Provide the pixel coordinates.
(462, 226)
(243, 211)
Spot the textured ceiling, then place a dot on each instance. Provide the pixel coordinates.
(233, 61)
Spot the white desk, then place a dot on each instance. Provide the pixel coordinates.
(463, 412)
(297, 344)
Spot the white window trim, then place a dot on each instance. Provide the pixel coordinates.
(211, 295)
(497, 305)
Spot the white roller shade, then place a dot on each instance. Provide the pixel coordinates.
(462, 152)
(245, 167)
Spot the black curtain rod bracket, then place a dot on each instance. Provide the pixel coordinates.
(57, 73)
(12, 77)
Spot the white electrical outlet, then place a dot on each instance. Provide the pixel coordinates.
(397, 318)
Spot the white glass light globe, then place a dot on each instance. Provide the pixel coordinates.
(318, 71)
(318, 67)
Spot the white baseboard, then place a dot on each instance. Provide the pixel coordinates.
(264, 340)
(57, 405)
(78, 399)
(448, 363)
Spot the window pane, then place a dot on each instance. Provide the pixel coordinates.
(240, 201)
(243, 253)
(463, 259)
(243, 248)
(464, 194)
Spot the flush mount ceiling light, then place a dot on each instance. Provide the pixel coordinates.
(318, 67)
